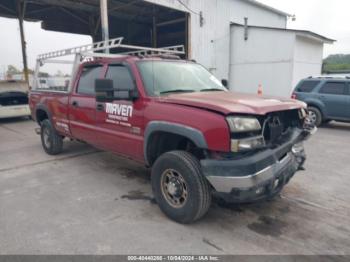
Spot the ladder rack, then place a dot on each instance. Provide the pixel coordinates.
(89, 49)
(177, 49)
(98, 46)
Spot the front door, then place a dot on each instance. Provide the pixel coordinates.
(82, 105)
(120, 122)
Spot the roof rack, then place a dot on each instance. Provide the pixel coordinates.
(330, 77)
(169, 50)
(89, 49)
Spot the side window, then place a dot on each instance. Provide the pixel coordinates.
(333, 88)
(122, 80)
(307, 86)
(347, 90)
(86, 83)
(121, 77)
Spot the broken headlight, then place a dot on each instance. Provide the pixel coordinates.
(238, 145)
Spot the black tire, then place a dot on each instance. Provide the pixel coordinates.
(316, 115)
(51, 141)
(198, 191)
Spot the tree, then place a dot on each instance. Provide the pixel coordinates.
(12, 70)
(336, 63)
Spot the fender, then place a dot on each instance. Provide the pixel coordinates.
(317, 103)
(193, 134)
(43, 108)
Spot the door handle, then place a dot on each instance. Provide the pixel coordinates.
(75, 103)
(99, 107)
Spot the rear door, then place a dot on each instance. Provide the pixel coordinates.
(82, 104)
(120, 122)
(333, 95)
(348, 104)
(304, 89)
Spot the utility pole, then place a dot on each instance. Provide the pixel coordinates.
(21, 5)
(104, 21)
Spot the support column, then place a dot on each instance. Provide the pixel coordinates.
(104, 21)
(154, 32)
(154, 29)
(21, 11)
(188, 49)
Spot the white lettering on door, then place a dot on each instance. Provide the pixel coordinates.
(118, 113)
(119, 109)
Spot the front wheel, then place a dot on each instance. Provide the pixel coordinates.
(51, 141)
(315, 116)
(181, 190)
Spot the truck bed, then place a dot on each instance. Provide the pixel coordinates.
(55, 102)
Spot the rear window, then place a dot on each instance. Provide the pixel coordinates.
(334, 88)
(87, 79)
(307, 86)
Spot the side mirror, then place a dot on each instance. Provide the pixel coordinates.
(104, 90)
(224, 82)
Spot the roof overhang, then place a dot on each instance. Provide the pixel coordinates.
(269, 8)
(313, 36)
(302, 33)
(82, 16)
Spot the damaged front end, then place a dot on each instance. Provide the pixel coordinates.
(266, 153)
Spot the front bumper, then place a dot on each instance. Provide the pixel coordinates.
(258, 176)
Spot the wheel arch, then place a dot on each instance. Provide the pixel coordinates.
(318, 105)
(193, 135)
(42, 113)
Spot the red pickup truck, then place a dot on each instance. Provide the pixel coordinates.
(174, 116)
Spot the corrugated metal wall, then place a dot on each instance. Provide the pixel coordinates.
(265, 58)
(210, 43)
(307, 59)
(276, 59)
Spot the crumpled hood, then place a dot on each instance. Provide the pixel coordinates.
(232, 102)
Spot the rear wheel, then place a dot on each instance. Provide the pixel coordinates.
(181, 190)
(315, 116)
(51, 141)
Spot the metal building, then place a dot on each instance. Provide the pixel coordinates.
(275, 58)
(247, 43)
(203, 26)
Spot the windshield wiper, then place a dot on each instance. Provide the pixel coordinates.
(177, 91)
(211, 89)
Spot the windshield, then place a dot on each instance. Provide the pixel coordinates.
(165, 77)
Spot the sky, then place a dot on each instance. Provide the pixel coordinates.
(325, 17)
(330, 18)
